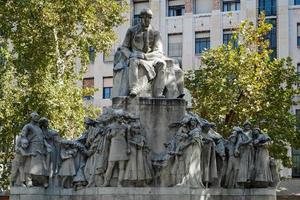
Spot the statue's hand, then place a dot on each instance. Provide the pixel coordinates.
(33, 154)
(142, 56)
(128, 151)
(49, 150)
(236, 153)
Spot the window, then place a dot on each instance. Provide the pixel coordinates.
(203, 6)
(296, 153)
(297, 2)
(92, 54)
(138, 6)
(267, 6)
(227, 35)
(88, 83)
(175, 8)
(272, 37)
(175, 45)
(296, 163)
(231, 5)
(202, 42)
(298, 74)
(107, 87)
(298, 35)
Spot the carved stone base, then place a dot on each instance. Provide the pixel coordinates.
(155, 116)
(112, 193)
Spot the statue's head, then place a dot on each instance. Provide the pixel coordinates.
(136, 127)
(233, 138)
(146, 16)
(44, 122)
(24, 143)
(247, 125)
(35, 117)
(206, 126)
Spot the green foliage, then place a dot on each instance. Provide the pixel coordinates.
(243, 83)
(40, 72)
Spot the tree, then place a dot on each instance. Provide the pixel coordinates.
(39, 73)
(243, 82)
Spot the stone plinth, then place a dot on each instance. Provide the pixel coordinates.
(111, 193)
(155, 116)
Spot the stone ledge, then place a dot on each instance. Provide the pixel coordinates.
(149, 101)
(142, 191)
(128, 193)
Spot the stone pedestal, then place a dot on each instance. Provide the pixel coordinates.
(155, 116)
(111, 193)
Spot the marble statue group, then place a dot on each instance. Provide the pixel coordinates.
(115, 149)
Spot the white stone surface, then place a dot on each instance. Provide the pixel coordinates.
(155, 116)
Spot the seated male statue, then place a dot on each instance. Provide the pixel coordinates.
(141, 55)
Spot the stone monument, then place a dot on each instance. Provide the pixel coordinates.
(146, 146)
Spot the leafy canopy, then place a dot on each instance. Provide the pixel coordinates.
(243, 82)
(42, 43)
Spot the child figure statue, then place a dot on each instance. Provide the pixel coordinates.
(67, 170)
(19, 162)
(233, 160)
(138, 169)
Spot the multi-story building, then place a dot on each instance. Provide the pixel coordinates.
(190, 26)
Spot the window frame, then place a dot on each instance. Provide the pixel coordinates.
(273, 41)
(88, 97)
(298, 35)
(135, 20)
(179, 50)
(229, 4)
(179, 7)
(296, 174)
(298, 74)
(199, 40)
(104, 93)
(262, 8)
(104, 88)
(92, 55)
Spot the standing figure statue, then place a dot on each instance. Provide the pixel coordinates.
(138, 170)
(233, 160)
(262, 171)
(38, 169)
(192, 154)
(220, 154)
(140, 67)
(19, 162)
(244, 149)
(118, 151)
(67, 169)
(208, 156)
(53, 140)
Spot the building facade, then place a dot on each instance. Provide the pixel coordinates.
(188, 27)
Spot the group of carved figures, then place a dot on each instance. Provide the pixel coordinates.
(113, 151)
(198, 156)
